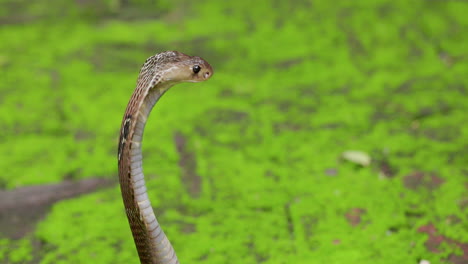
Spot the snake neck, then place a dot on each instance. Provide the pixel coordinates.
(152, 244)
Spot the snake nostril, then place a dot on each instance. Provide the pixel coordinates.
(207, 74)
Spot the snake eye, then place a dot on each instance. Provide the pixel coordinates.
(196, 68)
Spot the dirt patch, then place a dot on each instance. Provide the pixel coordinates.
(188, 164)
(436, 239)
(354, 216)
(420, 179)
(22, 208)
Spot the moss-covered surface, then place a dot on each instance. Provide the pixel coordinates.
(246, 167)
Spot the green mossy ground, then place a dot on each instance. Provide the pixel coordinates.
(296, 83)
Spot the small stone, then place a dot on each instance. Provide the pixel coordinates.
(357, 157)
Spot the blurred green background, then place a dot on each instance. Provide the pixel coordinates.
(247, 167)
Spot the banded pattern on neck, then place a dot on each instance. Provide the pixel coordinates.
(157, 75)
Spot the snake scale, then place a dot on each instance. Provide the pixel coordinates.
(157, 75)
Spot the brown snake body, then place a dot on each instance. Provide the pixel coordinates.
(157, 75)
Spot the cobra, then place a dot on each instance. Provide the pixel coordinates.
(157, 75)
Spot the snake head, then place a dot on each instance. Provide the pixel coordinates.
(178, 67)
